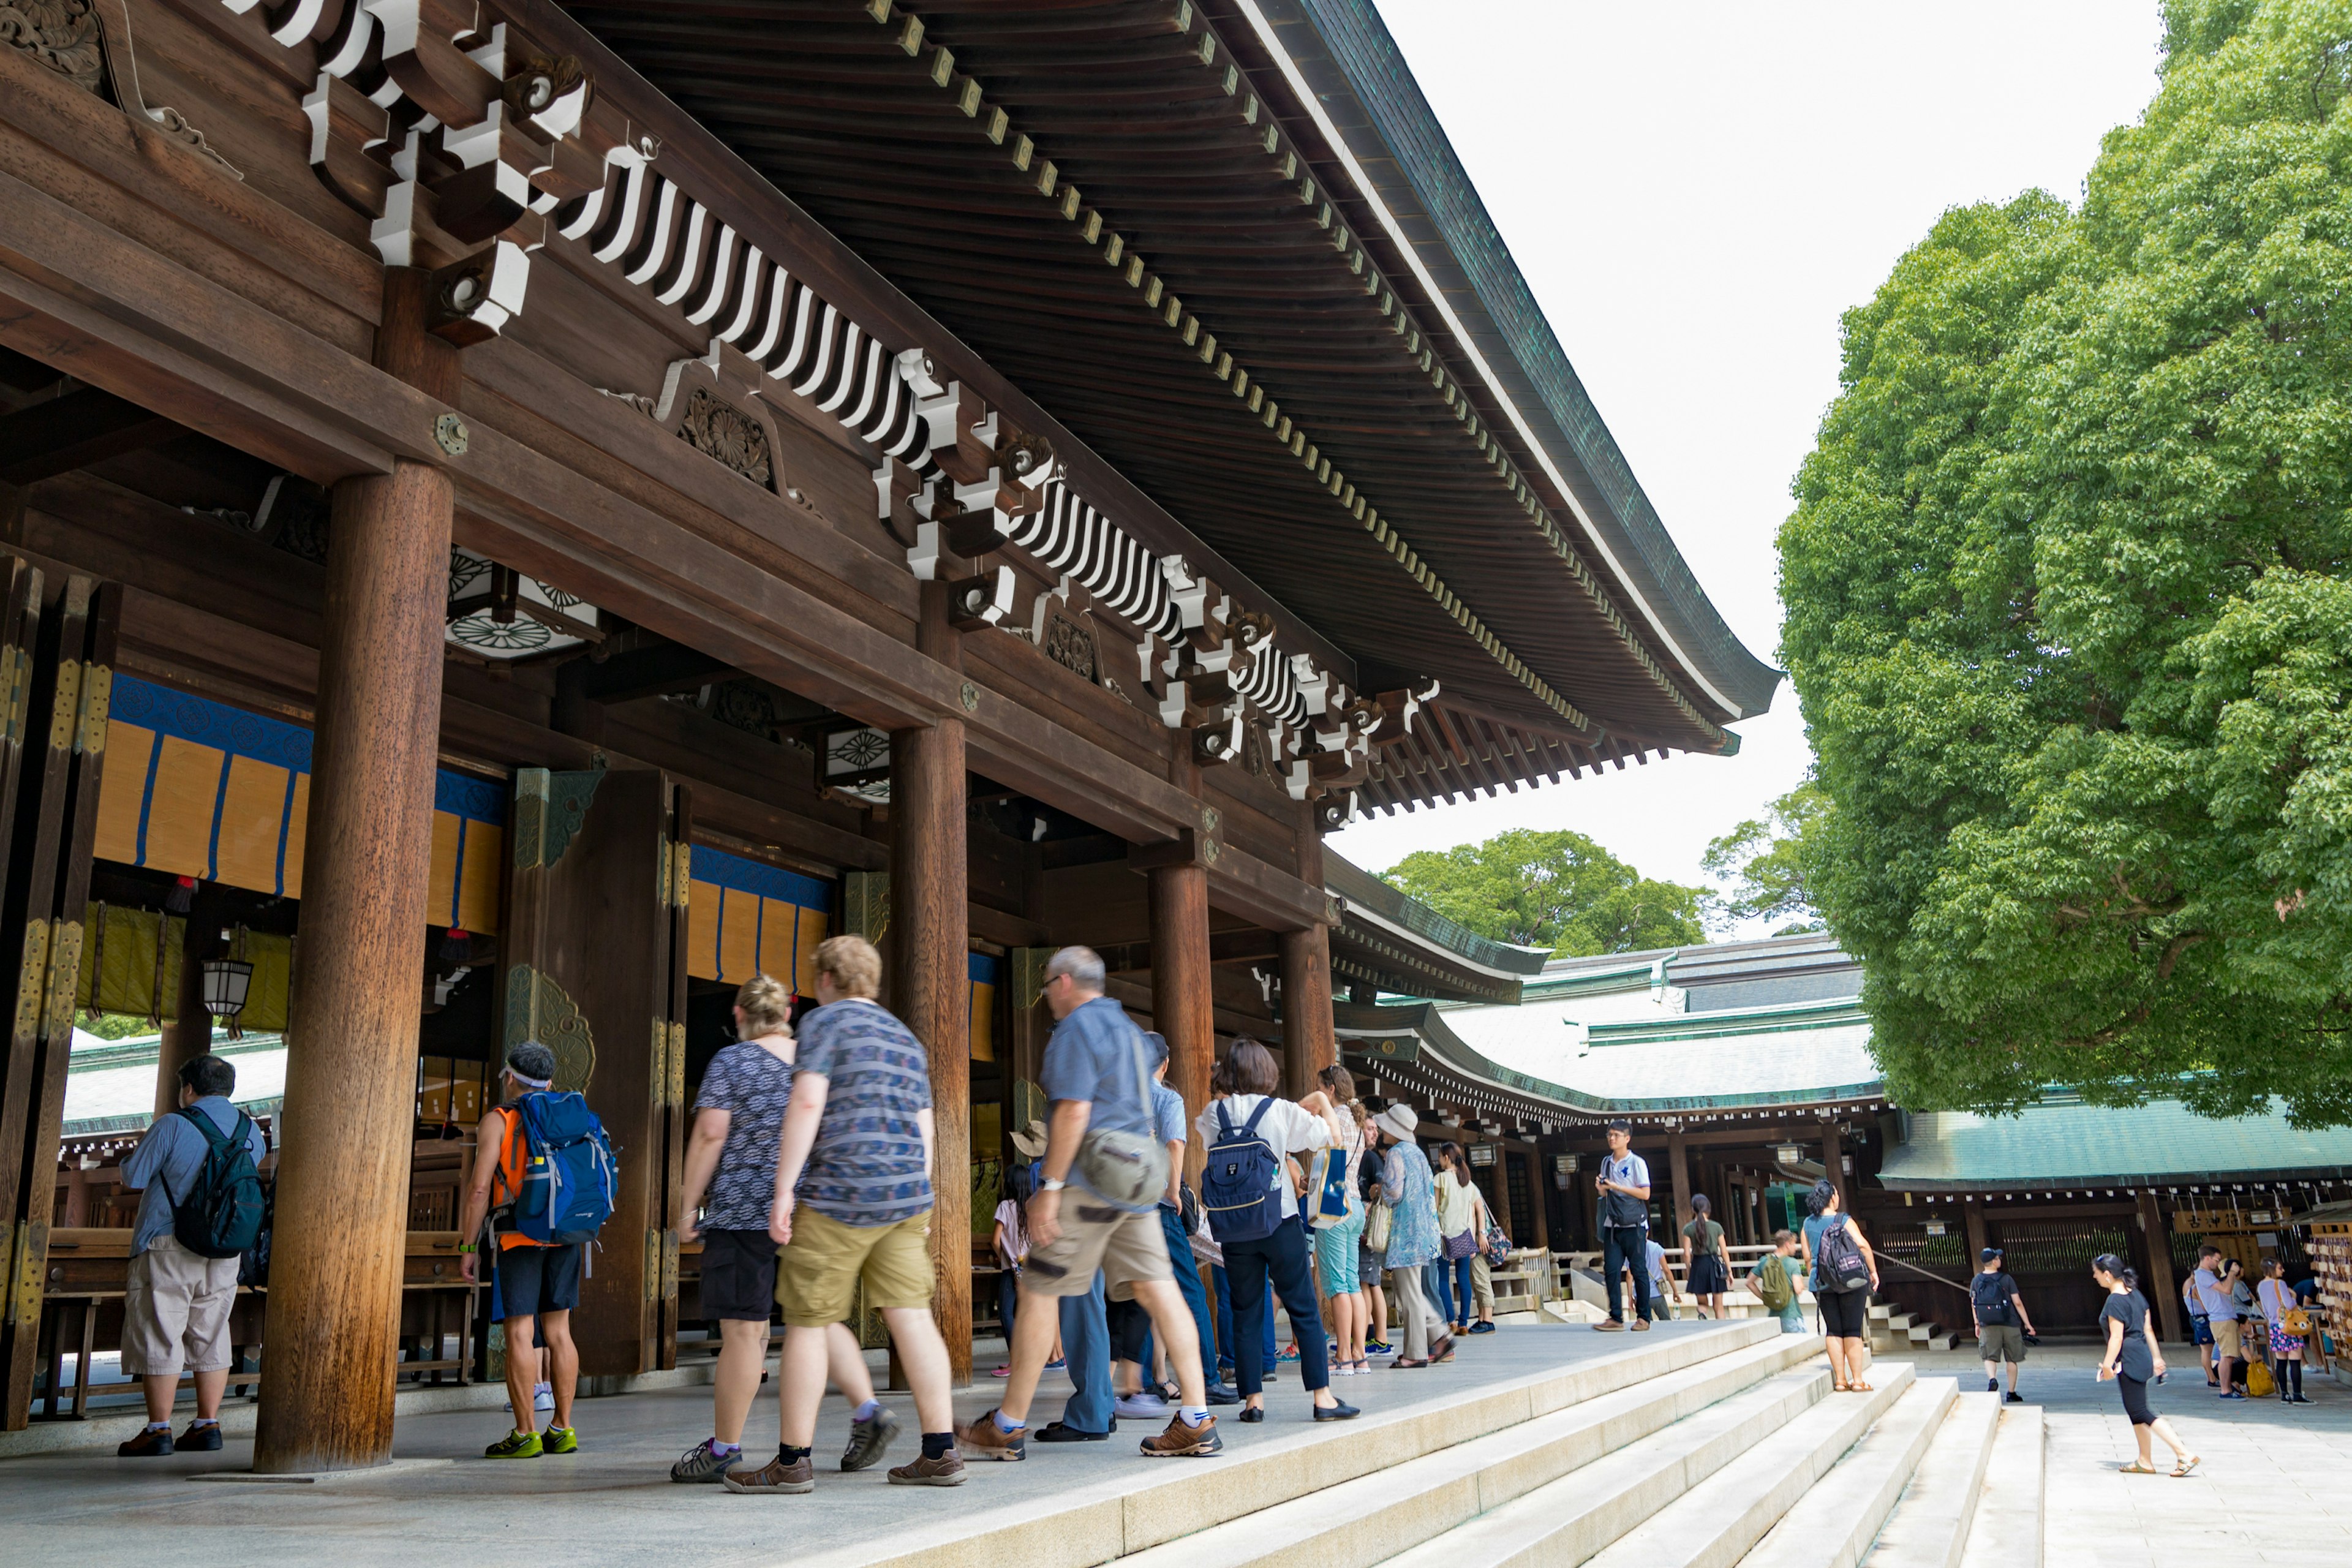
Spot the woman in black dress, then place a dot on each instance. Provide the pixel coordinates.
(2133, 1361)
(1704, 1269)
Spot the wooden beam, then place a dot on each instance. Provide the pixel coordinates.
(2162, 1284)
(343, 1205)
(59, 434)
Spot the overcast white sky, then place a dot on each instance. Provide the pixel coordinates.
(1696, 190)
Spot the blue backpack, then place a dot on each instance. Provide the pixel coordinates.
(569, 1173)
(1237, 1182)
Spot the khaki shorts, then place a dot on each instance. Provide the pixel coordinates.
(2226, 1338)
(1129, 1250)
(817, 1275)
(176, 1311)
(2000, 1342)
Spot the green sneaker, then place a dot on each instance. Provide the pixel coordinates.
(559, 1440)
(514, 1446)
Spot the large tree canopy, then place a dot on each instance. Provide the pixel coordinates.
(1764, 860)
(2068, 608)
(1559, 890)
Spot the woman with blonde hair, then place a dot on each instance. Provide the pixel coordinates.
(1337, 1236)
(730, 1177)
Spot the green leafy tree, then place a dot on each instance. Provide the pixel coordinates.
(1763, 860)
(2069, 616)
(1559, 890)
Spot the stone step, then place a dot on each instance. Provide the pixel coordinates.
(1583, 1514)
(1930, 1522)
(1730, 1511)
(2008, 1529)
(1363, 1520)
(1839, 1516)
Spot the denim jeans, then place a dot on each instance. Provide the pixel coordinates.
(1086, 1340)
(1188, 1280)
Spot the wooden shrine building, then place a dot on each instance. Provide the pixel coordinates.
(518, 516)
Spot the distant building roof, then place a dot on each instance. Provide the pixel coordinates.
(1394, 942)
(110, 1084)
(2059, 1142)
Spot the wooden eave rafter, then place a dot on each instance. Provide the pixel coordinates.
(890, 83)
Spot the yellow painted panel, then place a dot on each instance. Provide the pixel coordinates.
(252, 819)
(297, 821)
(983, 1022)
(270, 995)
(777, 950)
(124, 791)
(702, 929)
(180, 818)
(739, 935)
(479, 878)
(811, 933)
(441, 882)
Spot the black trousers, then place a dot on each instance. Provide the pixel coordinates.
(1626, 1247)
(1281, 1258)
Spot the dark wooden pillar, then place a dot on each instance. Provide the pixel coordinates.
(931, 967)
(1308, 1042)
(190, 1032)
(345, 1129)
(1678, 1173)
(1976, 1226)
(1834, 1164)
(1180, 999)
(2158, 1283)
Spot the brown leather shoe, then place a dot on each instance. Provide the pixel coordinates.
(1182, 1442)
(775, 1476)
(150, 1445)
(983, 1439)
(1609, 1326)
(1641, 1325)
(947, 1471)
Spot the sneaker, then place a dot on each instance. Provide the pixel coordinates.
(2298, 1399)
(983, 1439)
(1182, 1442)
(2233, 1393)
(152, 1444)
(1141, 1407)
(2013, 1398)
(1222, 1394)
(704, 1462)
(775, 1476)
(868, 1440)
(1058, 1363)
(947, 1471)
(1605, 1326)
(1992, 1385)
(1379, 1347)
(1002, 1371)
(1061, 1431)
(514, 1446)
(559, 1440)
(201, 1437)
(542, 1397)
(1482, 1326)
(1289, 1352)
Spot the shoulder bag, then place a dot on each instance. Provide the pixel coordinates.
(1127, 1169)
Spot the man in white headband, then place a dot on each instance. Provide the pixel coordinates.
(537, 1284)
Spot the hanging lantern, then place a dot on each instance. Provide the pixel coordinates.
(226, 982)
(1789, 1153)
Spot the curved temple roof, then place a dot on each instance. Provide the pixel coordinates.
(1229, 248)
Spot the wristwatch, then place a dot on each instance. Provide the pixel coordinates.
(1051, 1186)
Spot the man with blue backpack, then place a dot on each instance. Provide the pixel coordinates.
(543, 1178)
(200, 1207)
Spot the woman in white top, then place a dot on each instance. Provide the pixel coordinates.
(2277, 1299)
(1286, 1128)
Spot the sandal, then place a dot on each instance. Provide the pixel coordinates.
(1837, 1387)
(1860, 1388)
(2187, 1465)
(2136, 1468)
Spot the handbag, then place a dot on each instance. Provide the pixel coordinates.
(1498, 1247)
(1453, 1249)
(1333, 1186)
(1128, 1170)
(1378, 1225)
(2296, 1321)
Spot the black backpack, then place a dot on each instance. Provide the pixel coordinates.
(220, 1215)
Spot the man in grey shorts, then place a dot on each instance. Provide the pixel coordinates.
(2002, 1322)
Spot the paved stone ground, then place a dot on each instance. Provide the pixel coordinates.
(612, 1503)
(2275, 1486)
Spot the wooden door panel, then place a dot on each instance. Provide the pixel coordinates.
(595, 955)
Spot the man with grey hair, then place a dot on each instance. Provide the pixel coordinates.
(1096, 1073)
(537, 1284)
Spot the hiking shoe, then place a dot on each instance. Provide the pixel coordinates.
(947, 1471)
(775, 1476)
(201, 1437)
(704, 1462)
(1181, 1442)
(152, 1444)
(515, 1445)
(1141, 1407)
(983, 1439)
(559, 1440)
(868, 1440)
(1605, 1326)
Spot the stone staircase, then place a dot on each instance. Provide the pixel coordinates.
(1691, 1450)
(1891, 1331)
